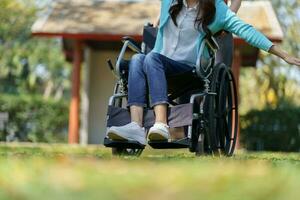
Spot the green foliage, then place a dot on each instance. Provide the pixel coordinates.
(29, 65)
(270, 93)
(31, 118)
(32, 66)
(274, 82)
(272, 129)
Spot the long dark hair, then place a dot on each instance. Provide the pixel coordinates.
(205, 14)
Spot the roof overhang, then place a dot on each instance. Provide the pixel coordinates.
(103, 23)
(109, 20)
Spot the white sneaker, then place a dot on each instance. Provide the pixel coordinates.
(159, 131)
(131, 131)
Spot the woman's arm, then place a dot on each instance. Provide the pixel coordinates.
(235, 5)
(247, 32)
(275, 50)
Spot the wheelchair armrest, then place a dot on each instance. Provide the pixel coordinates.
(132, 44)
(128, 43)
(212, 43)
(204, 66)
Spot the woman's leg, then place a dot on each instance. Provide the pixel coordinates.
(161, 113)
(137, 88)
(136, 114)
(136, 101)
(157, 67)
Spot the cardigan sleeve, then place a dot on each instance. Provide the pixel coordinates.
(164, 10)
(234, 24)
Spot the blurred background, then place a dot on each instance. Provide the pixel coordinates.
(36, 78)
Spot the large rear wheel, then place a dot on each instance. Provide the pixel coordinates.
(215, 132)
(204, 140)
(228, 114)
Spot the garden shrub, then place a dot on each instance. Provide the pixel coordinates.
(32, 118)
(272, 129)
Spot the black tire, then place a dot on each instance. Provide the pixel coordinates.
(199, 150)
(204, 135)
(124, 151)
(197, 139)
(210, 134)
(204, 141)
(211, 140)
(228, 114)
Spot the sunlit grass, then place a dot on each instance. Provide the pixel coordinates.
(71, 172)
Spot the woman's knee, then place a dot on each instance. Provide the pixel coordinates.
(137, 62)
(151, 61)
(139, 57)
(152, 56)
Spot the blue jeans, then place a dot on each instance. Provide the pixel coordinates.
(151, 70)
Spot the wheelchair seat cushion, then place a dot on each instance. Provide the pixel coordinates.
(178, 116)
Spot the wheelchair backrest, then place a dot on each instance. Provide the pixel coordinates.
(207, 54)
(149, 37)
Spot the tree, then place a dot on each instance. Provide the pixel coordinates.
(27, 64)
(276, 83)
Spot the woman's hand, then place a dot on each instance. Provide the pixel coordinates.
(285, 56)
(292, 60)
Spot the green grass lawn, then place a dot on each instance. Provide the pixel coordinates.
(69, 172)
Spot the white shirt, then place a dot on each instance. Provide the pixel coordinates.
(179, 42)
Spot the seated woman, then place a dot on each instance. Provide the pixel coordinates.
(176, 49)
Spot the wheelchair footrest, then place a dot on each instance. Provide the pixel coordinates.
(173, 144)
(123, 144)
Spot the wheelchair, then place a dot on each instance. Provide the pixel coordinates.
(204, 102)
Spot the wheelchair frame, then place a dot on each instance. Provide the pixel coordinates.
(214, 118)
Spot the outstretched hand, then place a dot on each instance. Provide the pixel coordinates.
(285, 56)
(292, 60)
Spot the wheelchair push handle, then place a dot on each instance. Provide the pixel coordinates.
(149, 24)
(110, 65)
(210, 39)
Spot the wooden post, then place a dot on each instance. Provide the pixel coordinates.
(236, 65)
(75, 99)
(237, 62)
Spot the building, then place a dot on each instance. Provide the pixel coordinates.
(91, 31)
